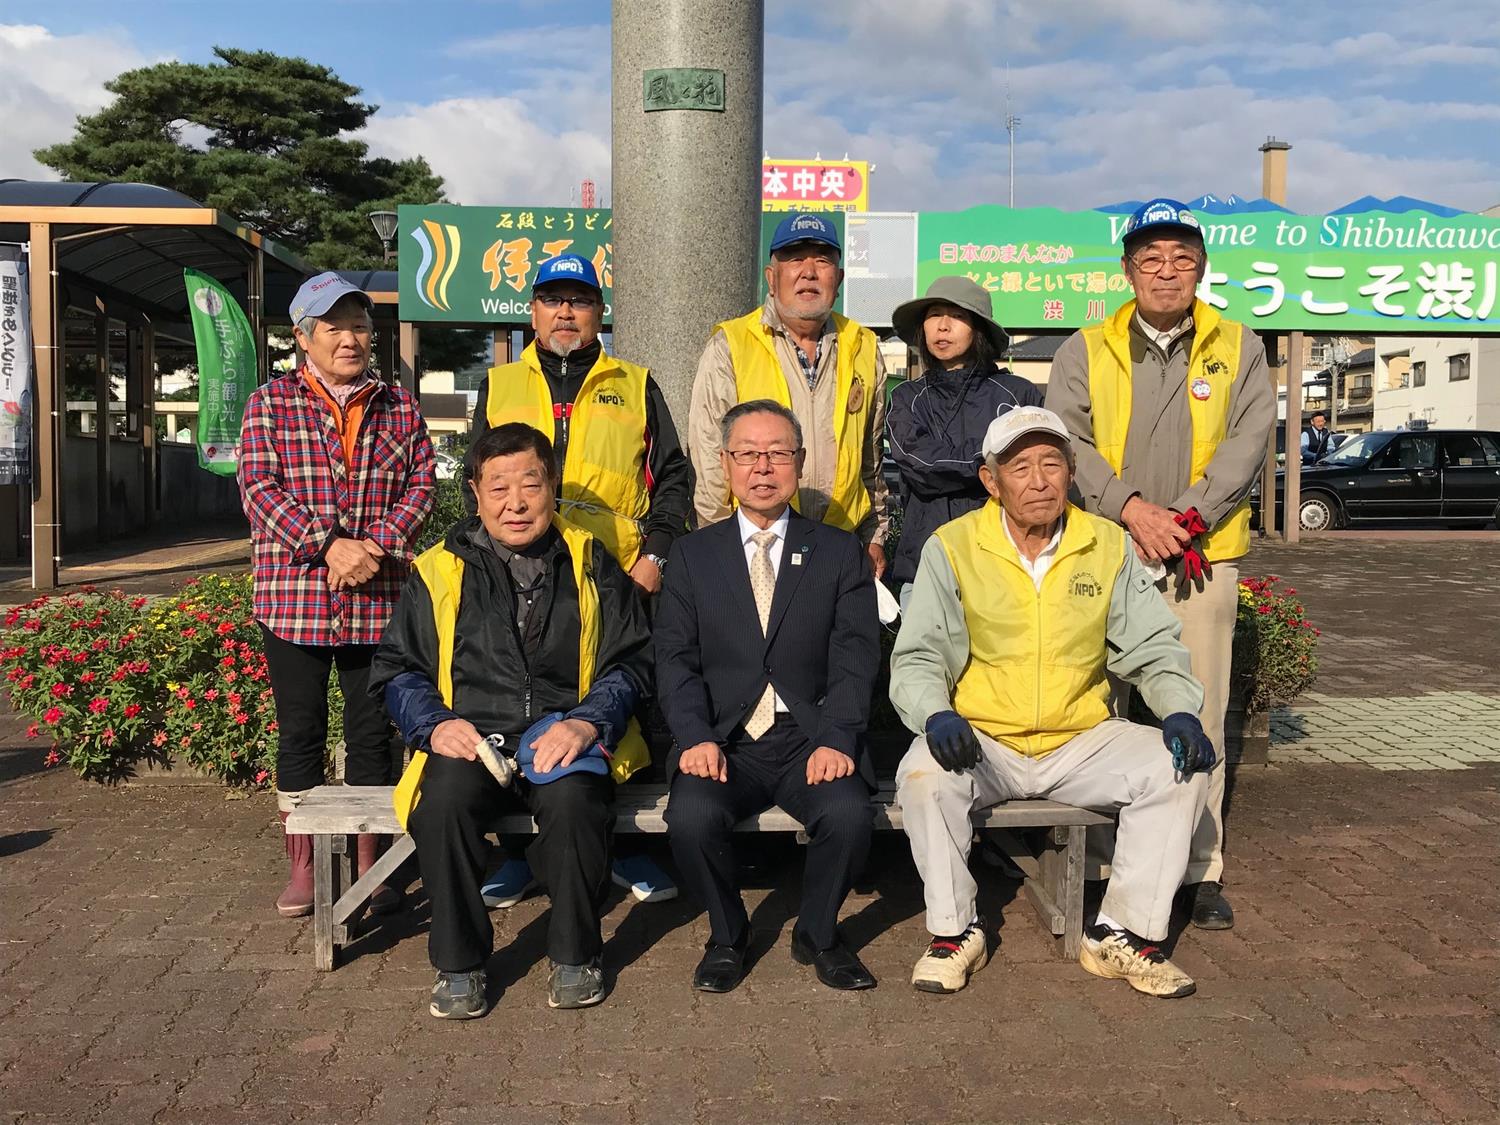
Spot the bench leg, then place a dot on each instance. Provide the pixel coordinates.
(361, 888)
(325, 891)
(1071, 896)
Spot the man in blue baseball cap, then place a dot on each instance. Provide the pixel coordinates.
(518, 615)
(1169, 406)
(625, 477)
(826, 369)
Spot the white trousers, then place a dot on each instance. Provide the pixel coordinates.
(1116, 768)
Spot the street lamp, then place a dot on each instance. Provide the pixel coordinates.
(384, 223)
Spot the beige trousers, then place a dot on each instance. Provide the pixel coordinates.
(1117, 768)
(1207, 619)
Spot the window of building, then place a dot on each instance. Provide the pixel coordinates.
(1419, 374)
(1458, 368)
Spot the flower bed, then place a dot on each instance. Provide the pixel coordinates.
(1275, 645)
(111, 679)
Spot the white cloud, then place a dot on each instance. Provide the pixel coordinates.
(493, 150)
(50, 80)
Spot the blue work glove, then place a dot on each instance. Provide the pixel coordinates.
(951, 742)
(1192, 752)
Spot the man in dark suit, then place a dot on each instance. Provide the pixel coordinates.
(767, 649)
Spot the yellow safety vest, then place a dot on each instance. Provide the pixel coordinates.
(1036, 671)
(1212, 365)
(758, 374)
(604, 472)
(442, 573)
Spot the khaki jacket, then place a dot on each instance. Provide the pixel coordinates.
(1159, 448)
(714, 392)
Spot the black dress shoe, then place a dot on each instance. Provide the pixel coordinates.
(722, 967)
(1211, 910)
(837, 966)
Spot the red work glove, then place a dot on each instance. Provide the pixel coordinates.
(1194, 563)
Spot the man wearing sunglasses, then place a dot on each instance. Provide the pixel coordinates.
(625, 477)
(1169, 406)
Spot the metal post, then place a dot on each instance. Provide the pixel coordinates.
(148, 417)
(46, 539)
(255, 285)
(411, 346)
(1268, 470)
(102, 529)
(1291, 527)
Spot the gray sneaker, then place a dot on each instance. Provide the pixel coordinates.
(575, 986)
(459, 996)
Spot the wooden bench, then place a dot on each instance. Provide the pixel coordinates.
(329, 813)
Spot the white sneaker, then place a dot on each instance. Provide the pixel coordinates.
(1121, 955)
(948, 962)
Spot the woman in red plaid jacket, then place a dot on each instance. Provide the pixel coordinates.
(336, 475)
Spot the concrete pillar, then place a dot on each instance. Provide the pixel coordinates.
(1273, 160)
(47, 344)
(686, 184)
(1273, 170)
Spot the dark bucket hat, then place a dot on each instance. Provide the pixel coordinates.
(968, 295)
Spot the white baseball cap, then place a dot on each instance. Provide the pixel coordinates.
(1014, 424)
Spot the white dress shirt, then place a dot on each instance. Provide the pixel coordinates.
(1164, 340)
(1039, 566)
(747, 529)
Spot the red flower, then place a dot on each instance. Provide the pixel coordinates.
(33, 730)
(53, 716)
(132, 710)
(190, 632)
(87, 678)
(138, 603)
(108, 737)
(231, 677)
(211, 693)
(52, 758)
(261, 775)
(159, 738)
(240, 717)
(98, 705)
(26, 681)
(190, 704)
(61, 691)
(119, 674)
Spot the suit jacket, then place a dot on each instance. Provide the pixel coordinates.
(820, 651)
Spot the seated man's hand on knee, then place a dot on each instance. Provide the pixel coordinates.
(456, 738)
(706, 760)
(1192, 750)
(561, 743)
(952, 742)
(827, 764)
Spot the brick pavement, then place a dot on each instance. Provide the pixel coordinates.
(144, 977)
(1410, 652)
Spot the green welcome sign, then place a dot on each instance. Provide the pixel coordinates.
(475, 265)
(1361, 274)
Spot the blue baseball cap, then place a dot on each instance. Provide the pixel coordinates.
(1158, 216)
(567, 267)
(593, 760)
(805, 227)
(319, 294)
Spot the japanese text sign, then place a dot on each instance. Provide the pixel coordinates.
(815, 185)
(475, 265)
(1359, 273)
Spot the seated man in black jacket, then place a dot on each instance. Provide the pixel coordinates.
(518, 614)
(767, 647)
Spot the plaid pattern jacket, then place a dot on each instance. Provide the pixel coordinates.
(297, 495)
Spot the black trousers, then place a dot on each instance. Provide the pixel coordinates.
(570, 857)
(299, 683)
(838, 816)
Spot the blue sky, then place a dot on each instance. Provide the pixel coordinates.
(509, 99)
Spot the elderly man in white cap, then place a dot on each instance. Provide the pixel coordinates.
(1021, 611)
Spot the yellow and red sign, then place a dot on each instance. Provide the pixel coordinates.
(815, 185)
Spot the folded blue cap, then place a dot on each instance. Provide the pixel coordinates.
(319, 294)
(593, 760)
(805, 227)
(566, 267)
(1159, 216)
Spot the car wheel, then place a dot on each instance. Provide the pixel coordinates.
(1319, 512)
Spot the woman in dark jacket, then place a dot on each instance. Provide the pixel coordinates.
(936, 422)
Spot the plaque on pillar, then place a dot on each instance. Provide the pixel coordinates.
(684, 87)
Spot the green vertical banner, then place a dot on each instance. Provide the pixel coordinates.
(226, 370)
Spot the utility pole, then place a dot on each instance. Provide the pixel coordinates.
(1011, 122)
